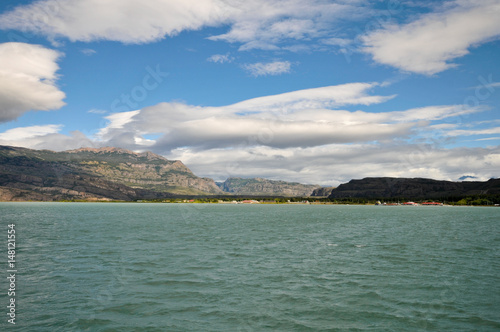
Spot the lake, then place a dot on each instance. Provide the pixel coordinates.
(223, 267)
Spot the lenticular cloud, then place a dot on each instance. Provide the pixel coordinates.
(27, 80)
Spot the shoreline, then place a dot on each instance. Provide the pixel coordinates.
(258, 203)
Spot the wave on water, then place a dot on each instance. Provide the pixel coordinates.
(266, 268)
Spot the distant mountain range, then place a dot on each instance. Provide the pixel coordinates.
(259, 186)
(116, 174)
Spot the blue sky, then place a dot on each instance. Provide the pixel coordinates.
(311, 91)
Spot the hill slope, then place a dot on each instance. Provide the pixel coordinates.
(416, 188)
(106, 173)
(259, 186)
(322, 192)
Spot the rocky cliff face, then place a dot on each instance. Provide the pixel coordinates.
(322, 192)
(259, 186)
(46, 181)
(107, 173)
(413, 188)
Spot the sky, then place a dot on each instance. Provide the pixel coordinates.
(315, 91)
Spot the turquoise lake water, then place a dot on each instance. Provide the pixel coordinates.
(215, 267)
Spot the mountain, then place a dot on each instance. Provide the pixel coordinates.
(259, 186)
(322, 192)
(142, 170)
(467, 177)
(118, 174)
(413, 188)
(95, 174)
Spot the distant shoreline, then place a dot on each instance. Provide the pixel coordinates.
(260, 203)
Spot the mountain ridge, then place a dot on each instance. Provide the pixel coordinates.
(111, 173)
(114, 170)
(260, 186)
(414, 188)
(108, 149)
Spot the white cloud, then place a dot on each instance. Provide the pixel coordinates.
(330, 164)
(117, 121)
(324, 97)
(489, 139)
(268, 24)
(22, 133)
(486, 84)
(127, 21)
(270, 68)
(432, 113)
(220, 58)
(255, 24)
(341, 42)
(302, 136)
(334, 164)
(460, 129)
(429, 44)
(44, 137)
(97, 111)
(464, 132)
(27, 80)
(298, 118)
(88, 51)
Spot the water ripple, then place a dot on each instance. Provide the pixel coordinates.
(148, 267)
